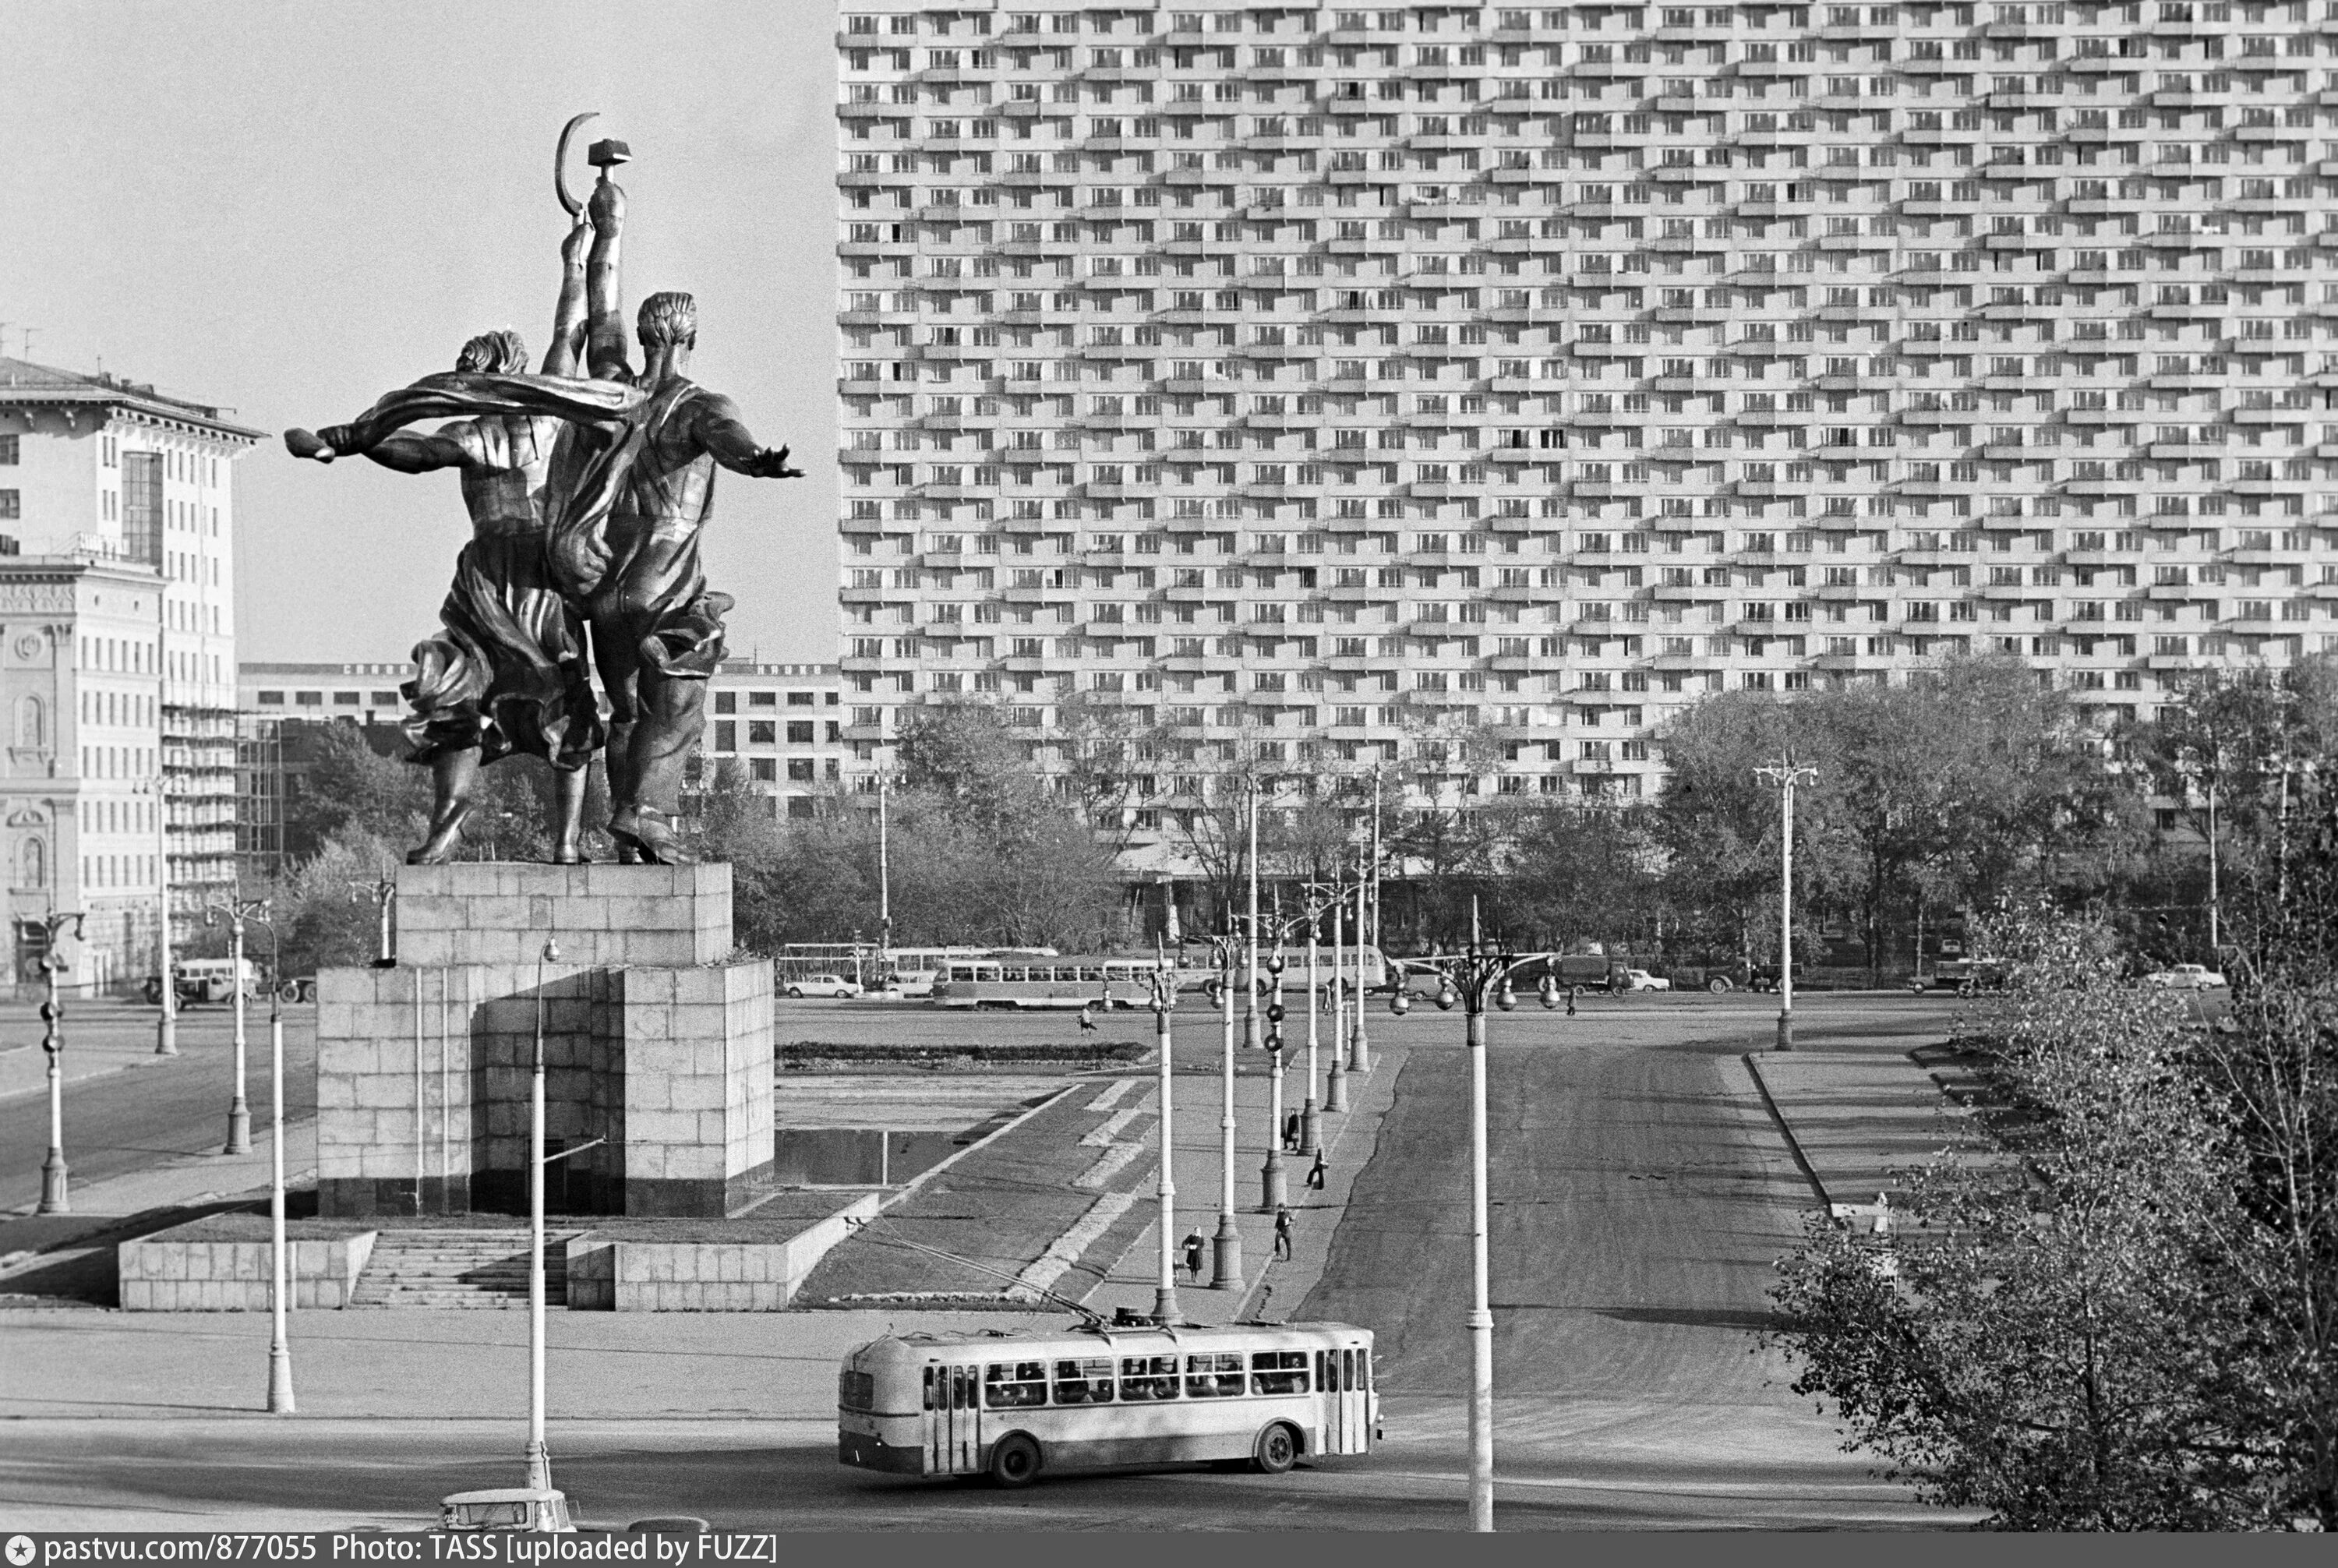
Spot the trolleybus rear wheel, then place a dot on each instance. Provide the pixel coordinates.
(1278, 1449)
(1015, 1461)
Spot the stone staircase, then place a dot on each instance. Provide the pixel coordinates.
(459, 1268)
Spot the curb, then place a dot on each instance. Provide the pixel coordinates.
(1793, 1146)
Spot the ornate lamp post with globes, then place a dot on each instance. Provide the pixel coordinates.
(166, 1027)
(56, 959)
(1161, 982)
(237, 910)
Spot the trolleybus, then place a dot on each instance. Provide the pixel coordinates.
(1013, 980)
(1014, 1406)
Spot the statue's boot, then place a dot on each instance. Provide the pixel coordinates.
(568, 817)
(452, 773)
(446, 833)
(650, 832)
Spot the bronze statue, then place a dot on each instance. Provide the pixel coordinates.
(630, 484)
(508, 671)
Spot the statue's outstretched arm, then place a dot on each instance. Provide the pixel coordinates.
(726, 438)
(408, 452)
(455, 395)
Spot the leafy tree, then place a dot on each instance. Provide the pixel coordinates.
(2052, 1347)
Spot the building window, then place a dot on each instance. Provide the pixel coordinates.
(345, 699)
(800, 769)
(308, 699)
(800, 731)
(762, 770)
(726, 701)
(762, 699)
(271, 699)
(12, 503)
(800, 808)
(803, 698)
(762, 732)
(726, 735)
(10, 453)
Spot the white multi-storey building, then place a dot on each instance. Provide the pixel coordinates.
(117, 660)
(1308, 379)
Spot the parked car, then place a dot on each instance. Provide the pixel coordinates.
(505, 1509)
(1763, 977)
(823, 985)
(2187, 977)
(1641, 980)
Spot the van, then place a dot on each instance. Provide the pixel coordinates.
(210, 980)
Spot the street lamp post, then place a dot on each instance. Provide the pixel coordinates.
(279, 1349)
(166, 1027)
(1335, 1099)
(884, 882)
(1274, 1181)
(1785, 775)
(1483, 975)
(539, 1457)
(1360, 1048)
(1226, 1271)
(1163, 983)
(384, 889)
(56, 1178)
(1249, 969)
(237, 910)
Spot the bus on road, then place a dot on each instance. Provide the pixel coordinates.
(1016, 1406)
(1090, 981)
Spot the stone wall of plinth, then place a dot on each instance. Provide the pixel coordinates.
(423, 1069)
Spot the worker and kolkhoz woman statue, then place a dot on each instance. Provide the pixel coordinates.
(589, 483)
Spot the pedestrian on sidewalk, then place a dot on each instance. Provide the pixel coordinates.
(1284, 1226)
(1291, 1133)
(1088, 1018)
(1193, 1255)
(1316, 1172)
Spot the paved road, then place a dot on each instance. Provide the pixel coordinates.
(1642, 1195)
(129, 1120)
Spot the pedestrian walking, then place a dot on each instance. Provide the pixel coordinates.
(1570, 1001)
(1284, 1226)
(1291, 1133)
(1087, 1019)
(1316, 1172)
(1193, 1255)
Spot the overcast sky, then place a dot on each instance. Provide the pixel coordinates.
(291, 207)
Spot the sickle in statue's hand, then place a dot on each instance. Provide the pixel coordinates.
(560, 164)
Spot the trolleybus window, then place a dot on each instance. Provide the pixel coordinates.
(1214, 1374)
(1278, 1372)
(1087, 1381)
(1148, 1378)
(856, 1390)
(1012, 1384)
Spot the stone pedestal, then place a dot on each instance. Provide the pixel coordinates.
(656, 1042)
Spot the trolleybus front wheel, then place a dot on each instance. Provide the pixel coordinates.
(1278, 1449)
(1015, 1461)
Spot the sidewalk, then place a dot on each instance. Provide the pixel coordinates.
(1859, 1118)
(1270, 1289)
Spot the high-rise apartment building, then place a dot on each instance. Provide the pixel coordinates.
(1312, 380)
(117, 661)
